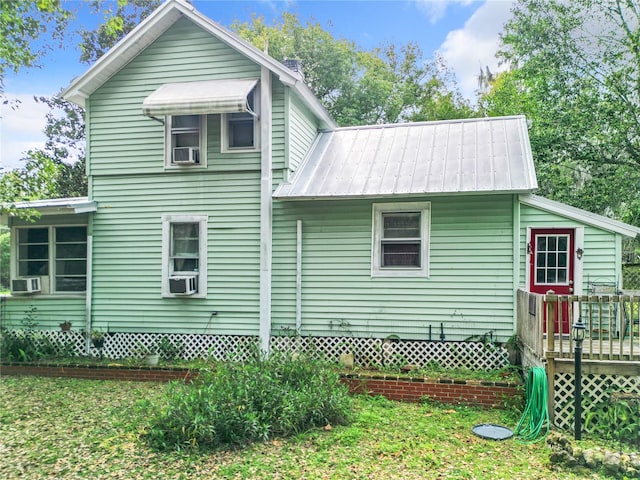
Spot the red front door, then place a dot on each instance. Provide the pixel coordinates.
(551, 266)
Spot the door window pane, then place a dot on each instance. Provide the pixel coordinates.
(552, 259)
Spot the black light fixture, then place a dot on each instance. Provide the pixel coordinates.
(578, 330)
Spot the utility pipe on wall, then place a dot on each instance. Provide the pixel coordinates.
(298, 277)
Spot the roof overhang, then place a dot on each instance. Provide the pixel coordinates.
(197, 98)
(159, 22)
(580, 215)
(57, 206)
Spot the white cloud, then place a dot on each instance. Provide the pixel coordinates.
(436, 9)
(21, 129)
(474, 46)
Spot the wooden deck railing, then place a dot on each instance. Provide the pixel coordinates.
(612, 325)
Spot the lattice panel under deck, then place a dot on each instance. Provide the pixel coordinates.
(595, 389)
(368, 352)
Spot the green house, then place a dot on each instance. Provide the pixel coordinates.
(224, 201)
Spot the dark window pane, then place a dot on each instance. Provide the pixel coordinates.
(562, 275)
(71, 250)
(541, 260)
(33, 235)
(404, 225)
(185, 121)
(71, 234)
(541, 244)
(562, 244)
(551, 276)
(240, 130)
(552, 244)
(71, 284)
(562, 259)
(33, 252)
(186, 139)
(185, 264)
(28, 268)
(401, 255)
(71, 267)
(551, 259)
(540, 278)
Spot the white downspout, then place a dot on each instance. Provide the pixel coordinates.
(299, 277)
(266, 191)
(87, 344)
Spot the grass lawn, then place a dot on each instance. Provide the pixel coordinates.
(67, 429)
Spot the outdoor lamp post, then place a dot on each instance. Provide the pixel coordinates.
(578, 331)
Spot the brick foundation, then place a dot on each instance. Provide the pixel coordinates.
(472, 392)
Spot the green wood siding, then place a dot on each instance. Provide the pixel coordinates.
(303, 130)
(128, 260)
(601, 261)
(124, 141)
(470, 288)
(50, 312)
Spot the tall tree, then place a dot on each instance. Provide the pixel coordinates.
(357, 86)
(24, 25)
(575, 73)
(58, 169)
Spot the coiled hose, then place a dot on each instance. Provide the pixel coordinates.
(536, 414)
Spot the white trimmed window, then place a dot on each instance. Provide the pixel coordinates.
(241, 131)
(400, 239)
(185, 141)
(184, 256)
(57, 255)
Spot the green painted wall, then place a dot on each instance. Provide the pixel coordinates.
(303, 130)
(470, 288)
(602, 258)
(134, 190)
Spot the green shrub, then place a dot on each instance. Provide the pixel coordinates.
(25, 346)
(237, 403)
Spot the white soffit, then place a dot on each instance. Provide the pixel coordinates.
(209, 96)
(490, 155)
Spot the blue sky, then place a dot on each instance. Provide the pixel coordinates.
(464, 32)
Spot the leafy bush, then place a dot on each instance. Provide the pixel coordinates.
(25, 345)
(236, 403)
(616, 419)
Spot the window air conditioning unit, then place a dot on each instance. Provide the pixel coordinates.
(186, 155)
(183, 285)
(26, 285)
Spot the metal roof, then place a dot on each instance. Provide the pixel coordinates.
(444, 157)
(60, 205)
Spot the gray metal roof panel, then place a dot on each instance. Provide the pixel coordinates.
(456, 156)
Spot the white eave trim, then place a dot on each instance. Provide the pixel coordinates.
(60, 206)
(580, 215)
(157, 23)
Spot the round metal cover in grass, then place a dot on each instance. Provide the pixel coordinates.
(492, 432)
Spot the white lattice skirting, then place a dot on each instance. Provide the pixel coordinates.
(596, 389)
(367, 351)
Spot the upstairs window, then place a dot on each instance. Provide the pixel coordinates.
(186, 140)
(184, 256)
(400, 239)
(240, 131)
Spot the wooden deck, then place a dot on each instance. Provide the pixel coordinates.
(612, 326)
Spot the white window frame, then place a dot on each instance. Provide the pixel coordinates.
(424, 208)
(47, 282)
(224, 128)
(168, 144)
(202, 220)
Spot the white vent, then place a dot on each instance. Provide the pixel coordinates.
(26, 285)
(183, 285)
(186, 155)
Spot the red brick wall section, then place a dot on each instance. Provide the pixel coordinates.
(486, 394)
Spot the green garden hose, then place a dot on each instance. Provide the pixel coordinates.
(536, 414)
